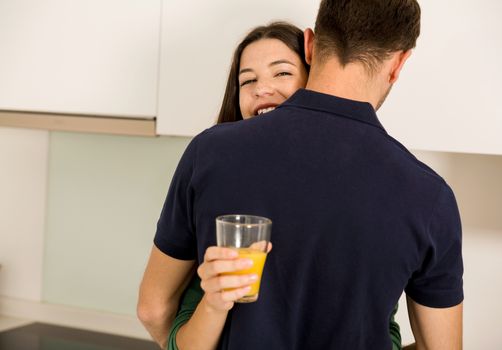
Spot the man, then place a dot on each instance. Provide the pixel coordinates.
(357, 218)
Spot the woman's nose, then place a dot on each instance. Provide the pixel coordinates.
(264, 89)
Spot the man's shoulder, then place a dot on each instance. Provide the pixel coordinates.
(225, 132)
(409, 160)
(219, 130)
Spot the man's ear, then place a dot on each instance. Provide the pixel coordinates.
(400, 59)
(309, 44)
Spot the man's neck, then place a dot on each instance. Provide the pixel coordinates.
(351, 82)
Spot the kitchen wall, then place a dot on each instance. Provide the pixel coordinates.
(23, 187)
(85, 242)
(105, 196)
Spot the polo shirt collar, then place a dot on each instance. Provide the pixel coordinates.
(342, 107)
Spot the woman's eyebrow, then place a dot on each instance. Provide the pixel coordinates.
(245, 70)
(274, 63)
(281, 62)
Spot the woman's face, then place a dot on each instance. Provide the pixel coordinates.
(269, 73)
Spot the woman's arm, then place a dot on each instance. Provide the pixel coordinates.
(164, 280)
(395, 331)
(203, 330)
(189, 301)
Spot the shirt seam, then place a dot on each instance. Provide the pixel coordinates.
(192, 180)
(380, 127)
(433, 212)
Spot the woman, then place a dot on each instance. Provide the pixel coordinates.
(268, 67)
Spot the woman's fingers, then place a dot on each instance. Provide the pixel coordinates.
(262, 246)
(220, 253)
(269, 247)
(225, 299)
(234, 294)
(224, 282)
(210, 269)
(222, 286)
(218, 260)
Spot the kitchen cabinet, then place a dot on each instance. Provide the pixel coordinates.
(83, 57)
(169, 60)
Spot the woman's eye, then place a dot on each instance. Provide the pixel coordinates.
(245, 82)
(282, 74)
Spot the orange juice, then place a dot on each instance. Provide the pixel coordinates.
(258, 258)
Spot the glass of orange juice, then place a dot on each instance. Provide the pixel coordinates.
(250, 235)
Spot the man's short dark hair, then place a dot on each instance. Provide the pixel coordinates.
(365, 31)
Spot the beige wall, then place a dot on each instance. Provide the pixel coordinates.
(477, 182)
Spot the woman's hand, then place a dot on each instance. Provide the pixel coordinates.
(221, 291)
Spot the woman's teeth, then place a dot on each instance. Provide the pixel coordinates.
(265, 110)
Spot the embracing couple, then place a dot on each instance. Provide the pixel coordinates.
(357, 218)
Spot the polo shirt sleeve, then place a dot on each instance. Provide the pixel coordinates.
(175, 235)
(438, 282)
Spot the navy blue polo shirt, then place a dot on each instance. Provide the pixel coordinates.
(357, 219)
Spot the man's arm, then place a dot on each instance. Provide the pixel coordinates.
(436, 328)
(164, 281)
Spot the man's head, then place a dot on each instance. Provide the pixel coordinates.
(365, 31)
(374, 34)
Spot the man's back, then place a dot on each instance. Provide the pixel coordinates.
(354, 223)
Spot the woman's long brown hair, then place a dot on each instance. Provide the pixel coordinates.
(289, 34)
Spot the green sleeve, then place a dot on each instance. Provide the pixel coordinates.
(395, 335)
(189, 301)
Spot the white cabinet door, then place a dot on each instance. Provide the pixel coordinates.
(80, 56)
(448, 97)
(198, 40)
